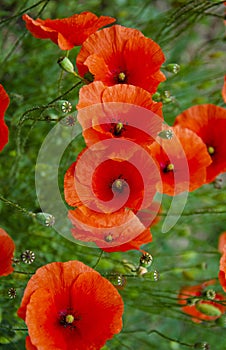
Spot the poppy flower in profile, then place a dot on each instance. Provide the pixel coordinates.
(200, 303)
(115, 232)
(182, 161)
(107, 180)
(222, 272)
(70, 306)
(7, 248)
(208, 122)
(4, 132)
(222, 242)
(120, 55)
(67, 32)
(112, 112)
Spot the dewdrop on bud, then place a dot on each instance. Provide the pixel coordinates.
(210, 294)
(63, 106)
(202, 346)
(12, 293)
(166, 134)
(45, 219)
(118, 280)
(208, 309)
(172, 68)
(146, 260)
(152, 276)
(28, 256)
(66, 64)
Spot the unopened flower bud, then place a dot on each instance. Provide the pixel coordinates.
(202, 346)
(210, 294)
(166, 134)
(66, 65)
(208, 309)
(146, 260)
(172, 68)
(45, 219)
(118, 280)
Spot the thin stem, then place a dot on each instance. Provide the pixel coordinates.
(16, 206)
(160, 334)
(98, 260)
(25, 10)
(23, 272)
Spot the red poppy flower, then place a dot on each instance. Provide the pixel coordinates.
(117, 232)
(224, 90)
(7, 248)
(208, 122)
(182, 161)
(120, 55)
(222, 272)
(112, 112)
(67, 32)
(70, 306)
(108, 179)
(222, 242)
(4, 132)
(201, 309)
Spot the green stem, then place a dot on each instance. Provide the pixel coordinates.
(98, 260)
(23, 272)
(17, 206)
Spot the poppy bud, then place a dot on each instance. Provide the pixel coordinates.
(157, 97)
(210, 294)
(146, 260)
(66, 65)
(166, 134)
(172, 68)
(12, 293)
(28, 256)
(45, 219)
(118, 280)
(63, 106)
(208, 309)
(203, 346)
(152, 276)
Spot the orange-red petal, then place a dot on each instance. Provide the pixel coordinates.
(222, 272)
(7, 248)
(189, 157)
(118, 49)
(4, 132)
(94, 303)
(67, 32)
(196, 291)
(119, 231)
(222, 242)
(224, 90)
(101, 108)
(208, 122)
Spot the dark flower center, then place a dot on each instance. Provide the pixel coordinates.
(211, 150)
(68, 319)
(121, 77)
(108, 238)
(117, 128)
(169, 167)
(119, 185)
